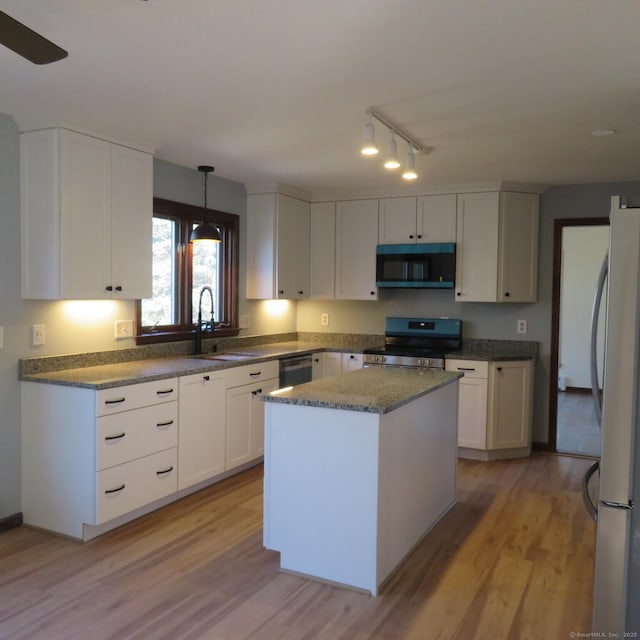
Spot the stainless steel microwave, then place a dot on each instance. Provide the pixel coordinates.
(416, 266)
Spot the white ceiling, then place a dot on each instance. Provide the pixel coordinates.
(276, 90)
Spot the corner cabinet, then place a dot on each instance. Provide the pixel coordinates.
(277, 247)
(86, 217)
(322, 251)
(494, 408)
(497, 247)
(356, 240)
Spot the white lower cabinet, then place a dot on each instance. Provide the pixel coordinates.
(332, 363)
(494, 408)
(91, 456)
(245, 410)
(201, 443)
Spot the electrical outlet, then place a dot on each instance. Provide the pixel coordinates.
(243, 321)
(522, 326)
(37, 335)
(123, 328)
(324, 319)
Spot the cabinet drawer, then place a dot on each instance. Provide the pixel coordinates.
(136, 395)
(132, 485)
(133, 434)
(470, 368)
(247, 374)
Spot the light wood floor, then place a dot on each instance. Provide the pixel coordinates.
(513, 559)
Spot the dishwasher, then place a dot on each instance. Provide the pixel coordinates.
(295, 370)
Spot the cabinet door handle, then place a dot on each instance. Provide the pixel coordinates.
(373, 293)
(411, 236)
(206, 378)
(498, 368)
(118, 288)
(118, 401)
(256, 392)
(300, 292)
(116, 490)
(280, 291)
(163, 472)
(458, 293)
(164, 392)
(164, 425)
(118, 436)
(255, 374)
(108, 288)
(419, 236)
(506, 294)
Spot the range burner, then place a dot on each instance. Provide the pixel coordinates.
(416, 342)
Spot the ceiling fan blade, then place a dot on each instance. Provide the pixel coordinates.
(28, 43)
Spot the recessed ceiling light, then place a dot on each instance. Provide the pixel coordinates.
(603, 132)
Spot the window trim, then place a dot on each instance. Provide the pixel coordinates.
(230, 230)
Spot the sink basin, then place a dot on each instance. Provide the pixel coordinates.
(222, 356)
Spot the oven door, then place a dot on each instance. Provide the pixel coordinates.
(295, 370)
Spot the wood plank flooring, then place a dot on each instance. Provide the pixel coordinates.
(513, 559)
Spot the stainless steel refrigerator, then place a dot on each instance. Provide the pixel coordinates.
(616, 606)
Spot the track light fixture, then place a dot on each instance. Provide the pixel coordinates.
(391, 162)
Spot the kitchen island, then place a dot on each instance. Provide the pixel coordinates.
(358, 468)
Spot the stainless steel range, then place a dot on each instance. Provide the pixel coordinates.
(416, 342)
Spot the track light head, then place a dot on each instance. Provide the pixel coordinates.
(409, 172)
(369, 146)
(392, 161)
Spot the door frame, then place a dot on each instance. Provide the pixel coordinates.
(558, 225)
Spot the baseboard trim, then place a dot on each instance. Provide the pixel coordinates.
(10, 522)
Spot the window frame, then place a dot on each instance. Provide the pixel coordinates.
(229, 225)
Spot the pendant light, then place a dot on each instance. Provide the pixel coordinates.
(205, 230)
(392, 161)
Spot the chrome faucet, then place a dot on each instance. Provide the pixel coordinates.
(207, 324)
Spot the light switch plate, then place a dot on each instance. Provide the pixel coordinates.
(124, 328)
(38, 337)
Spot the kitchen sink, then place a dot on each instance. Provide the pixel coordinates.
(223, 356)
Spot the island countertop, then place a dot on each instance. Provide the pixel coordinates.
(372, 390)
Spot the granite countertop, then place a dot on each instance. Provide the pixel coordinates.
(372, 390)
(118, 374)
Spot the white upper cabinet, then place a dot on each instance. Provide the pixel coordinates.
(417, 220)
(397, 221)
(86, 215)
(356, 240)
(436, 218)
(277, 247)
(497, 247)
(322, 254)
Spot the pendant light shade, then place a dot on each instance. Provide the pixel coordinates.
(369, 146)
(392, 161)
(205, 230)
(409, 172)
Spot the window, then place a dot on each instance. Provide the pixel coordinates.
(182, 269)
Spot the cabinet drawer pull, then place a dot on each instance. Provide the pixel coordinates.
(466, 368)
(116, 490)
(164, 392)
(119, 436)
(164, 425)
(255, 373)
(163, 472)
(206, 378)
(118, 401)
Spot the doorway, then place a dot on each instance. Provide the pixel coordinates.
(578, 247)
